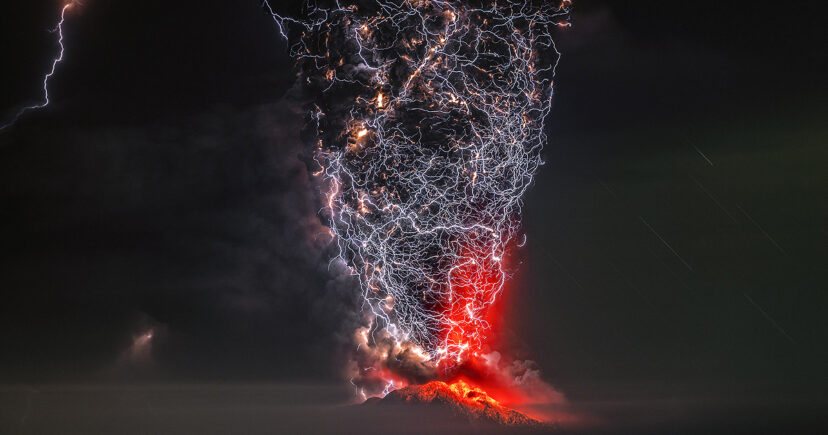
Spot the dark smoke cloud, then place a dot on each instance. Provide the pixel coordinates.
(227, 198)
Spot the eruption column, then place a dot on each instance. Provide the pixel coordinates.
(427, 122)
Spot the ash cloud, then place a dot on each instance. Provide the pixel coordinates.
(425, 125)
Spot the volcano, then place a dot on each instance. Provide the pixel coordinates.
(460, 399)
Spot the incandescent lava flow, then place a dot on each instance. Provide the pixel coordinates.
(461, 399)
(426, 123)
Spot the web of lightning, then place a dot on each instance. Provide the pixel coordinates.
(55, 61)
(429, 123)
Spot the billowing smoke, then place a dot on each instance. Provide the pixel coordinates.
(426, 125)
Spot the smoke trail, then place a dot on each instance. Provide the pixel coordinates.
(55, 61)
(427, 123)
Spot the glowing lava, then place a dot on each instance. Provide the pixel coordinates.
(462, 398)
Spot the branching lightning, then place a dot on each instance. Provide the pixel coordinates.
(55, 61)
(429, 123)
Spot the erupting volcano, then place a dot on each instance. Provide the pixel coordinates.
(426, 122)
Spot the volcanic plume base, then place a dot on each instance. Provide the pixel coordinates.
(487, 387)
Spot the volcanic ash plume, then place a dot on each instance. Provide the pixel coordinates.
(427, 125)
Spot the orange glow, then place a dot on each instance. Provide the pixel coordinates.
(473, 394)
(469, 398)
(362, 133)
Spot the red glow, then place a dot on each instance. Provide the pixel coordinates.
(475, 286)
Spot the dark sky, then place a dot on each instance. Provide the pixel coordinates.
(677, 234)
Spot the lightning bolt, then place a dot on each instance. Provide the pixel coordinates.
(55, 61)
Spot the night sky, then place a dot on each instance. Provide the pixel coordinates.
(677, 236)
